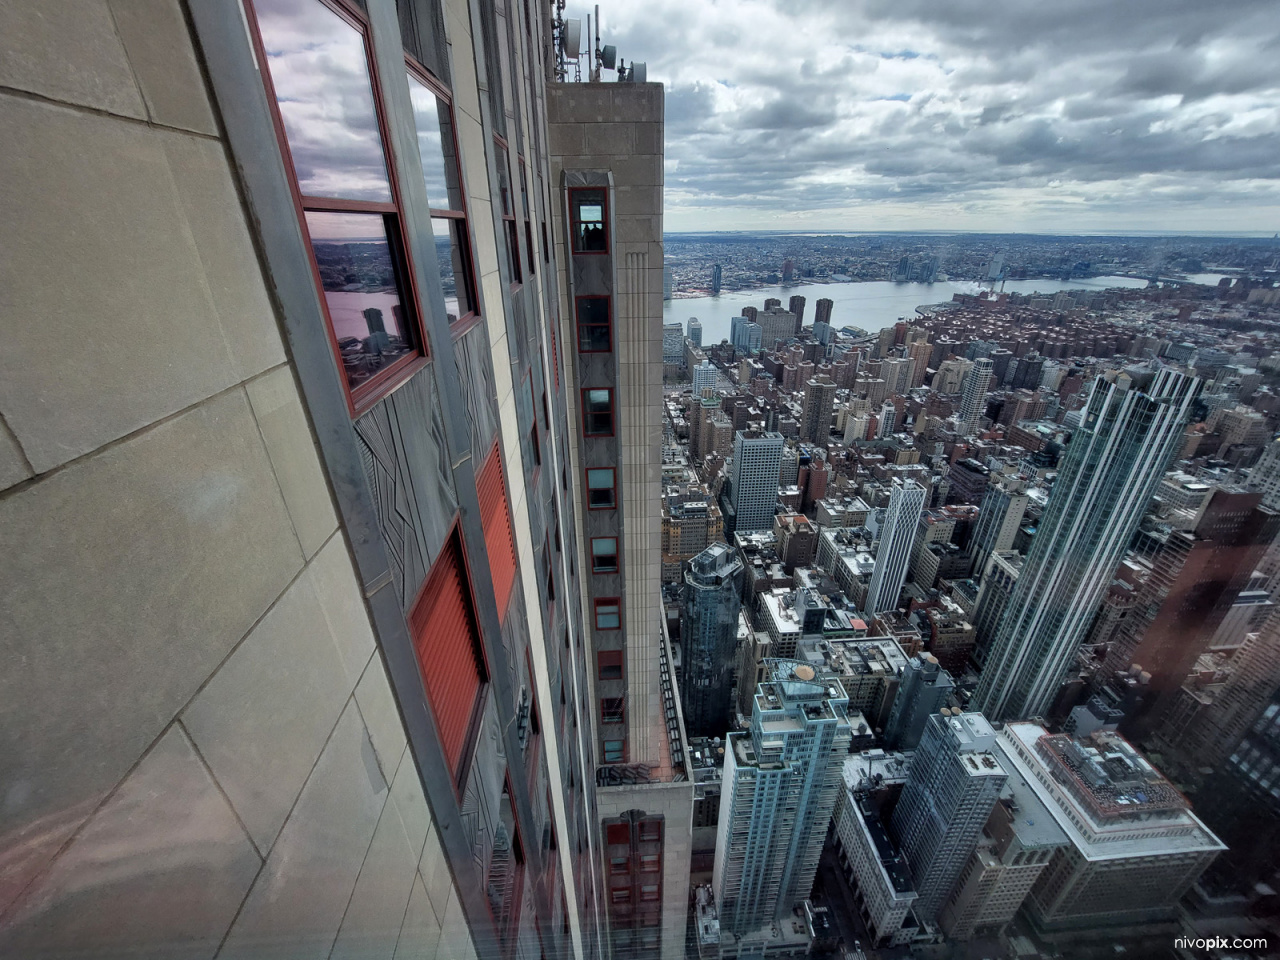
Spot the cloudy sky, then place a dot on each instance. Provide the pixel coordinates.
(1006, 115)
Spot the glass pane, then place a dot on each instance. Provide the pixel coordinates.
(321, 76)
(435, 147)
(504, 181)
(593, 325)
(588, 221)
(600, 479)
(453, 266)
(358, 274)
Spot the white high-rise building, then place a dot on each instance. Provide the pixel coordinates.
(753, 475)
(672, 343)
(705, 375)
(780, 785)
(1132, 426)
(897, 535)
(973, 395)
(955, 781)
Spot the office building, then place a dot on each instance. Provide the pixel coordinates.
(924, 688)
(954, 783)
(1134, 846)
(704, 377)
(672, 343)
(709, 636)
(998, 579)
(973, 395)
(300, 429)
(691, 522)
(1016, 844)
(897, 537)
(776, 325)
(745, 334)
(1264, 476)
(819, 406)
(1000, 514)
(717, 279)
(1132, 426)
(753, 479)
(693, 330)
(779, 789)
(880, 877)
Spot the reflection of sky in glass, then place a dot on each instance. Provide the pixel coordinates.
(322, 82)
(443, 231)
(426, 115)
(358, 276)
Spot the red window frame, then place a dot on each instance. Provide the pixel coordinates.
(574, 222)
(444, 627)
(364, 396)
(588, 413)
(617, 833)
(599, 569)
(606, 602)
(650, 831)
(613, 710)
(608, 322)
(610, 660)
(612, 488)
(469, 319)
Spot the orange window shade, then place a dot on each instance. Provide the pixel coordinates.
(496, 519)
(446, 639)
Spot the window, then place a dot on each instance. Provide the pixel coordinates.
(505, 873)
(619, 865)
(491, 490)
(587, 220)
(649, 891)
(433, 116)
(604, 554)
(613, 752)
(608, 613)
(616, 833)
(651, 831)
(508, 211)
(597, 412)
(535, 442)
(446, 639)
(611, 709)
(315, 58)
(609, 664)
(620, 896)
(600, 488)
(528, 223)
(649, 862)
(548, 569)
(594, 327)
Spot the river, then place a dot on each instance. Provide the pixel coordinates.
(873, 305)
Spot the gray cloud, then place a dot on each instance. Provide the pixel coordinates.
(894, 113)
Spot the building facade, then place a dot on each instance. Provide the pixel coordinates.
(1131, 429)
(709, 636)
(897, 539)
(753, 478)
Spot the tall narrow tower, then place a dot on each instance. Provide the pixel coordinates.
(709, 633)
(1132, 426)
(973, 395)
(897, 534)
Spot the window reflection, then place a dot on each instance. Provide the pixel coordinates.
(358, 273)
(325, 94)
(435, 147)
(587, 209)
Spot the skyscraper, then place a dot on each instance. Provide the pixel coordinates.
(923, 690)
(694, 331)
(709, 636)
(717, 278)
(897, 537)
(1132, 426)
(999, 517)
(819, 405)
(672, 343)
(744, 335)
(753, 479)
(973, 395)
(776, 325)
(796, 306)
(955, 781)
(780, 784)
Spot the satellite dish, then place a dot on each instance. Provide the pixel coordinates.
(571, 39)
(639, 71)
(609, 57)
